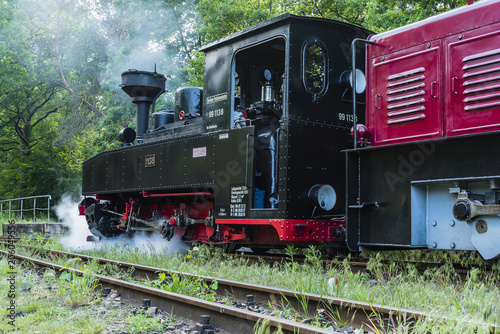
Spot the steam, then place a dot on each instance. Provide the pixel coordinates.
(67, 211)
(101, 39)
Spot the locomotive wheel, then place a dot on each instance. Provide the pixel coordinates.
(167, 231)
(92, 216)
(104, 226)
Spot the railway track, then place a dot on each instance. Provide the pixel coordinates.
(356, 264)
(350, 313)
(226, 318)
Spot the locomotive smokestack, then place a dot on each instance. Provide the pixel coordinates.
(144, 88)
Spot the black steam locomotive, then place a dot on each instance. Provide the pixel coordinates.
(258, 156)
(254, 159)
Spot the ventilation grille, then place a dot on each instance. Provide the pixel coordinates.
(482, 80)
(406, 96)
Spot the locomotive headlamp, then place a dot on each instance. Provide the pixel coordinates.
(360, 81)
(127, 135)
(323, 195)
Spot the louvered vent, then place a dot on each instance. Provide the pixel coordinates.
(406, 96)
(482, 80)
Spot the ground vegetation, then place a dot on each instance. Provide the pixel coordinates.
(454, 305)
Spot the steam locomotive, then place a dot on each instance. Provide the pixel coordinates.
(314, 131)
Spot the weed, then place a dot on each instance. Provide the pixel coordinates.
(437, 291)
(189, 286)
(313, 256)
(77, 290)
(264, 328)
(41, 306)
(141, 323)
(290, 251)
(376, 267)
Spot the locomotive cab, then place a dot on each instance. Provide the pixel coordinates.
(280, 93)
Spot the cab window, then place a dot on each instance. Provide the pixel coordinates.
(314, 67)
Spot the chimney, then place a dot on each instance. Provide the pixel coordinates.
(144, 88)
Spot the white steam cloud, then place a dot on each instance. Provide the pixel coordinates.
(67, 211)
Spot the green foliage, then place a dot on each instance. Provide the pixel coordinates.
(382, 15)
(141, 323)
(76, 290)
(313, 256)
(37, 96)
(188, 286)
(221, 18)
(195, 69)
(290, 251)
(471, 304)
(42, 308)
(265, 328)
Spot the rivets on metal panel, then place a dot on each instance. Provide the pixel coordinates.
(452, 223)
(434, 245)
(452, 245)
(434, 223)
(460, 37)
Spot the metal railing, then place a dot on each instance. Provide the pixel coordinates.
(21, 205)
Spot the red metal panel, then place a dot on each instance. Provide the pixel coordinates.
(296, 229)
(473, 82)
(405, 99)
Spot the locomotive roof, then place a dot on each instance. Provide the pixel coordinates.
(280, 20)
(446, 24)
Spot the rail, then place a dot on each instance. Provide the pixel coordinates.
(20, 207)
(354, 314)
(231, 319)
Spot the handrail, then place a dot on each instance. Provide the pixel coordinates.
(353, 66)
(22, 209)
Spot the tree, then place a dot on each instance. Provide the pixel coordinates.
(382, 15)
(34, 93)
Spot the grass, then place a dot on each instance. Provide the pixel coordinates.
(469, 306)
(463, 258)
(75, 290)
(264, 328)
(43, 309)
(141, 323)
(188, 286)
(40, 217)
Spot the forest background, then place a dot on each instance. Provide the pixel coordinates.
(61, 60)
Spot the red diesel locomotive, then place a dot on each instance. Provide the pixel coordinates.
(262, 156)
